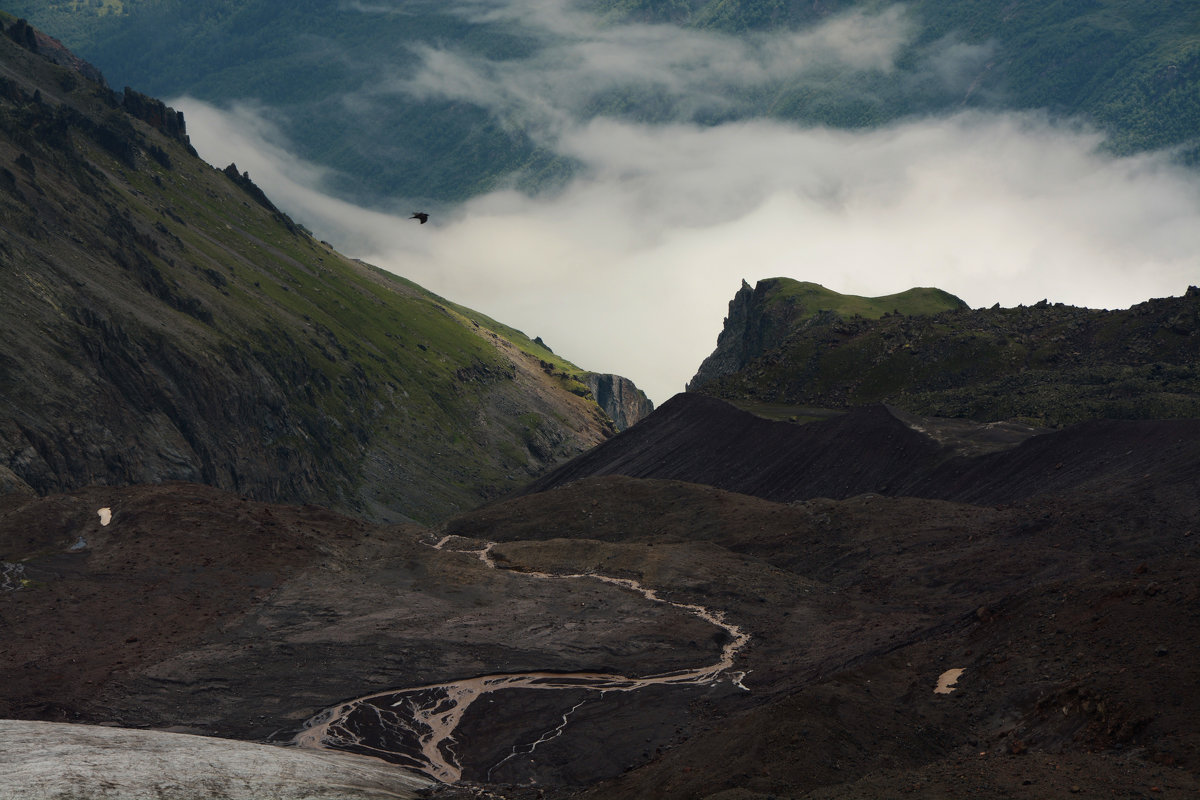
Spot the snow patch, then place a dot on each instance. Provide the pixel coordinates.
(945, 684)
(50, 759)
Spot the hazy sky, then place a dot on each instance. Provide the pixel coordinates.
(630, 268)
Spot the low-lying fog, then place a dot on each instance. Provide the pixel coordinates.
(630, 267)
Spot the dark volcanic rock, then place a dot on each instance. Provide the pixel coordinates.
(700, 439)
(1055, 607)
(202, 610)
(193, 606)
(740, 339)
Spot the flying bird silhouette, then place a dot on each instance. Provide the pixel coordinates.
(421, 215)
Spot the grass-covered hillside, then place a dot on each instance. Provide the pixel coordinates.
(807, 299)
(160, 319)
(1047, 364)
(331, 74)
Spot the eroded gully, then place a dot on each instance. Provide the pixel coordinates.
(415, 727)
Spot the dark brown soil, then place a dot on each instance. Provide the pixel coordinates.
(1071, 604)
(703, 440)
(199, 611)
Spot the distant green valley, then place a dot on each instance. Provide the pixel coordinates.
(330, 75)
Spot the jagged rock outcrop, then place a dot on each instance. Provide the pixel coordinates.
(23, 34)
(740, 338)
(620, 398)
(155, 113)
(250, 187)
(38, 42)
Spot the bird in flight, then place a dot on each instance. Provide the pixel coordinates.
(421, 215)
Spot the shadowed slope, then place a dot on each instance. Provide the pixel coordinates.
(702, 440)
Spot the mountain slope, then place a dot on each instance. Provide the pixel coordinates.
(162, 320)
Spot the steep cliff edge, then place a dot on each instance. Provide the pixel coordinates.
(624, 403)
(764, 317)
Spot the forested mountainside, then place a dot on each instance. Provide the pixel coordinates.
(341, 79)
(163, 320)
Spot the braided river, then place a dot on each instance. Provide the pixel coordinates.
(416, 727)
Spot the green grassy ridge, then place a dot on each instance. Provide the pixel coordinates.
(778, 310)
(571, 377)
(1048, 365)
(519, 338)
(177, 273)
(813, 299)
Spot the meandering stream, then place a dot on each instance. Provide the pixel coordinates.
(416, 727)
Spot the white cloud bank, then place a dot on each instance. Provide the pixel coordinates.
(631, 268)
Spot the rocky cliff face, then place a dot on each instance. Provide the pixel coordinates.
(624, 403)
(740, 338)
